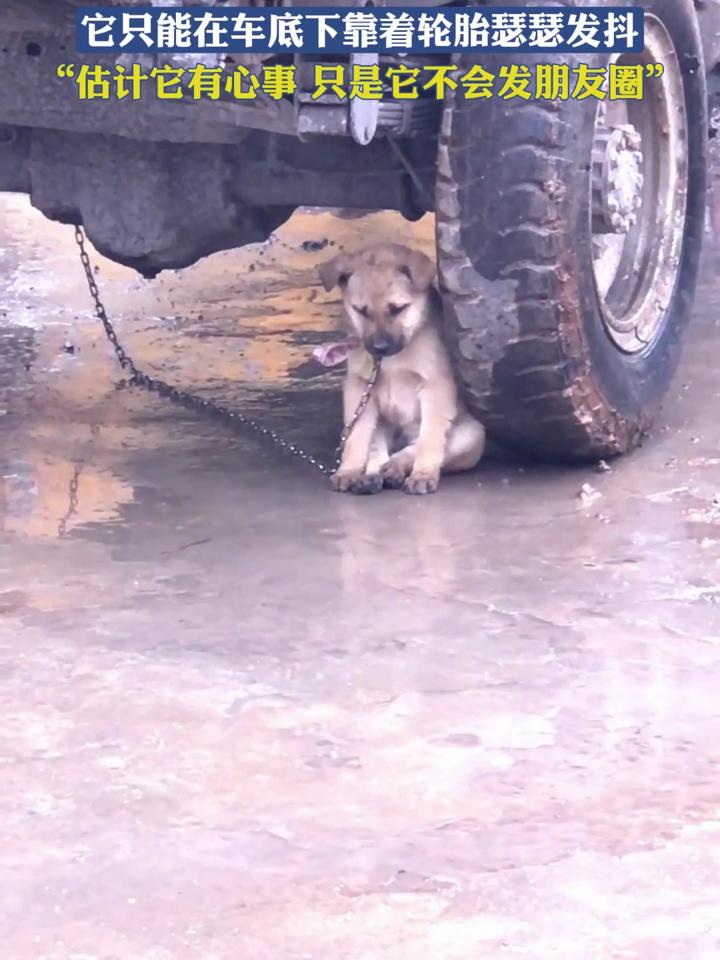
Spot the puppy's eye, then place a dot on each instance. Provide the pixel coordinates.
(363, 311)
(396, 308)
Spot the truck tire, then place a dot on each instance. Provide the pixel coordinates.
(569, 235)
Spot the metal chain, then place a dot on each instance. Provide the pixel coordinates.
(72, 501)
(192, 402)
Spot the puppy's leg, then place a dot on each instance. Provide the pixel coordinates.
(379, 451)
(437, 412)
(464, 448)
(351, 474)
(371, 481)
(465, 445)
(399, 466)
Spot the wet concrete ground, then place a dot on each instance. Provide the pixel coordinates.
(243, 717)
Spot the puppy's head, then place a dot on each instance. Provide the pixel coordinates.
(385, 291)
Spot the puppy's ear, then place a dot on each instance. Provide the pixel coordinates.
(418, 267)
(336, 272)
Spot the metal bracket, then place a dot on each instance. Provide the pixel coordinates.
(363, 113)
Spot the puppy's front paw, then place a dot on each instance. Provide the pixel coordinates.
(355, 481)
(420, 483)
(343, 480)
(394, 473)
(369, 484)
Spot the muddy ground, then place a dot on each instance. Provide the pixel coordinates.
(243, 717)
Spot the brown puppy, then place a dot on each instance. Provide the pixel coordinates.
(415, 425)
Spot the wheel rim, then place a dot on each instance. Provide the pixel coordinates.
(639, 198)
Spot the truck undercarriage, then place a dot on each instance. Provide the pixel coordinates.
(235, 170)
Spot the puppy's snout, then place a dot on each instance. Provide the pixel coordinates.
(382, 345)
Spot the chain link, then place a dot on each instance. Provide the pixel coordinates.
(193, 402)
(72, 501)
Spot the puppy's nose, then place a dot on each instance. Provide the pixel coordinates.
(382, 346)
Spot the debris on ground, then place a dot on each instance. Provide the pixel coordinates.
(709, 515)
(667, 496)
(312, 246)
(603, 466)
(588, 494)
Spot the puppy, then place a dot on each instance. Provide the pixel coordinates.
(414, 426)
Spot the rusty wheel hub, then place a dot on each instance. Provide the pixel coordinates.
(617, 179)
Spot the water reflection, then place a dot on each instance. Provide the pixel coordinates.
(48, 497)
